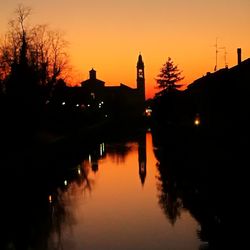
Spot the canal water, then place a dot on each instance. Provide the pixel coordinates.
(116, 203)
(114, 196)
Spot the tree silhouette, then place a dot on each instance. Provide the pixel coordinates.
(32, 60)
(168, 78)
(42, 50)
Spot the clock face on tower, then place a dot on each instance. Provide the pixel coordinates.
(140, 73)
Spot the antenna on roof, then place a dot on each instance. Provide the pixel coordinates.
(216, 53)
(225, 55)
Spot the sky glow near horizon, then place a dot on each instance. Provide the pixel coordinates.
(109, 35)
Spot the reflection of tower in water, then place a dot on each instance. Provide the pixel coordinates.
(142, 158)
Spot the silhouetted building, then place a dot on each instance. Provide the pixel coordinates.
(221, 98)
(140, 79)
(114, 101)
(117, 100)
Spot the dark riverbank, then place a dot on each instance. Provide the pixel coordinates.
(202, 167)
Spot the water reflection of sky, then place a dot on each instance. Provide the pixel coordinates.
(109, 207)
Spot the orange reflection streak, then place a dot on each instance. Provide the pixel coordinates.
(120, 211)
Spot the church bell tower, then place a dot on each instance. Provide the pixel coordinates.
(140, 78)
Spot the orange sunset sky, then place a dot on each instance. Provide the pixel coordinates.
(108, 35)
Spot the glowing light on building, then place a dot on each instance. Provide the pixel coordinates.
(50, 198)
(63, 103)
(148, 111)
(79, 170)
(197, 120)
(65, 183)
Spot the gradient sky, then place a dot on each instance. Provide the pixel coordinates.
(108, 35)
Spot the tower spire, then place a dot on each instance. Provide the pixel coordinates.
(140, 79)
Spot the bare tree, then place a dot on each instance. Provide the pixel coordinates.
(48, 54)
(9, 49)
(22, 13)
(42, 49)
(58, 55)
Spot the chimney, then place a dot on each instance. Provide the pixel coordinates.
(239, 55)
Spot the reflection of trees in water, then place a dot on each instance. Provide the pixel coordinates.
(169, 196)
(185, 183)
(168, 199)
(179, 185)
(67, 197)
(119, 151)
(63, 203)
